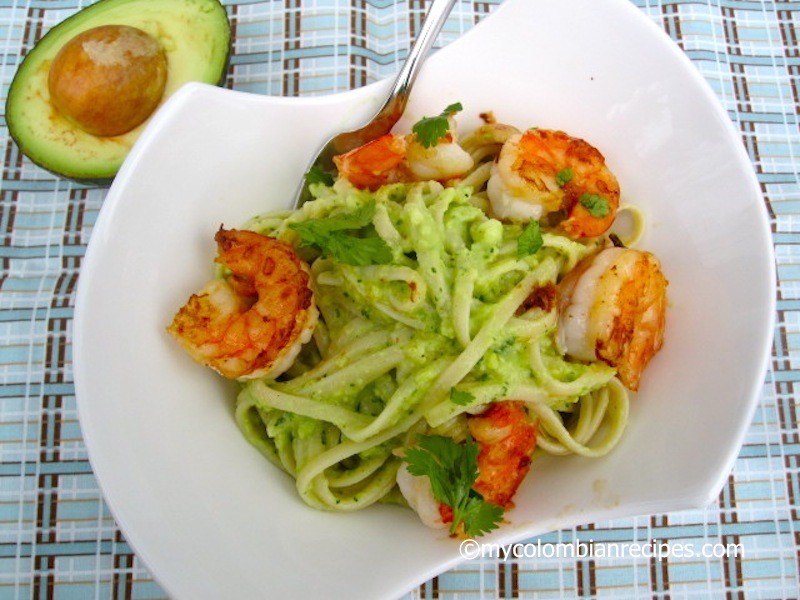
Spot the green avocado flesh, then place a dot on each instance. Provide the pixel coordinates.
(196, 37)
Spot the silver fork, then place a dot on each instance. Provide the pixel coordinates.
(394, 106)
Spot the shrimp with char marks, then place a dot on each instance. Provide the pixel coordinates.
(551, 176)
(394, 158)
(612, 307)
(253, 322)
(506, 438)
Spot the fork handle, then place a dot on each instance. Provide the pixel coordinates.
(401, 89)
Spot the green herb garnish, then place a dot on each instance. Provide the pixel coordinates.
(429, 130)
(453, 469)
(595, 204)
(530, 241)
(317, 175)
(342, 237)
(563, 177)
(461, 398)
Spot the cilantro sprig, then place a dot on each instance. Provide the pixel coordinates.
(341, 237)
(453, 469)
(429, 130)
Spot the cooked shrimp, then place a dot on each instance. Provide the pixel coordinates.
(252, 323)
(446, 160)
(612, 307)
(394, 158)
(544, 173)
(506, 437)
(417, 491)
(376, 163)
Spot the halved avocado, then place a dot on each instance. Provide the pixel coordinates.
(195, 36)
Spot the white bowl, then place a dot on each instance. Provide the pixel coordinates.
(208, 515)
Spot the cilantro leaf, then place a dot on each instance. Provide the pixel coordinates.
(530, 241)
(341, 237)
(563, 177)
(595, 204)
(452, 469)
(429, 130)
(460, 398)
(480, 516)
(317, 175)
(357, 251)
(358, 219)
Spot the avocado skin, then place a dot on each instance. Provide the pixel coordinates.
(197, 37)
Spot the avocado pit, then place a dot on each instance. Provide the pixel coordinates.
(109, 79)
